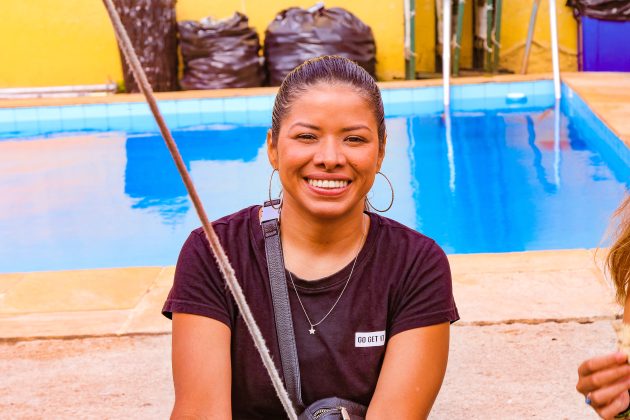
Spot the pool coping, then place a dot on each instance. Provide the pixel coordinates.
(130, 113)
(607, 95)
(258, 91)
(588, 85)
(521, 287)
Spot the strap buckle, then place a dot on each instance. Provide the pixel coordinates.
(268, 212)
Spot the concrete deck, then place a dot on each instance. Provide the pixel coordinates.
(527, 320)
(608, 95)
(527, 287)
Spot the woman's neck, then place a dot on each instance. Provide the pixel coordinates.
(314, 247)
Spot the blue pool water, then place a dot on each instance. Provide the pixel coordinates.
(499, 180)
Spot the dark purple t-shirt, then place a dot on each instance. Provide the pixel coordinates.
(401, 281)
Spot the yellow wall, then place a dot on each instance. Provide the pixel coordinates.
(71, 42)
(425, 36)
(514, 25)
(48, 43)
(514, 34)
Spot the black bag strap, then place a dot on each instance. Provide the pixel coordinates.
(281, 306)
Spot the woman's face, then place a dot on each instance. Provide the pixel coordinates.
(327, 153)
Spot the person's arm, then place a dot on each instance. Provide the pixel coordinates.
(412, 374)
(605, 380)
(201, 368)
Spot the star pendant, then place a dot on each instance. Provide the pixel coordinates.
(312, 330)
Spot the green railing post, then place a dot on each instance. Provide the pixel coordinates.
(488, 43)
(461, 7)
(496, 42)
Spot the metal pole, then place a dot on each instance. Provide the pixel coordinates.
(448, 132)
(554, 49)
(461, 7)
(556, 143)
(530, 36)
(446, 52)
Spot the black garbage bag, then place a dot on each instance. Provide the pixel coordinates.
(220, 54)
(152, 28)
(614, 10)
(296, 35)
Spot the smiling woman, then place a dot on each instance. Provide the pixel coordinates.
(327, 152)
(370, 299)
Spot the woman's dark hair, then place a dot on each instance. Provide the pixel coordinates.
(330, 69)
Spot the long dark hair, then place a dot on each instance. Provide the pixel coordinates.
(330, 69)
(618, 258)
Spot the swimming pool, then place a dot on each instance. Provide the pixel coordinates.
(93, 185)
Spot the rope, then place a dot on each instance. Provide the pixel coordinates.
(219, 254)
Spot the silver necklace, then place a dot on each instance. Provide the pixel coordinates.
(313, 325)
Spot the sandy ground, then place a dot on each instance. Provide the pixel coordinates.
(495, 372)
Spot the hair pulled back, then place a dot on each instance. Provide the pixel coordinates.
(332, 70)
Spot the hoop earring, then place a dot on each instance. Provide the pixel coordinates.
(280, 195)
(391, 203)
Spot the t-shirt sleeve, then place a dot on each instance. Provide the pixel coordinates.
(425, 296)
(198, 286)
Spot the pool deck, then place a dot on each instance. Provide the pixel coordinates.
(528, 287)
(608, 95)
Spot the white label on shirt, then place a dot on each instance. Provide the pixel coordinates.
(369, 339)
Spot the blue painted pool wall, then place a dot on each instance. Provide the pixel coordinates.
(134, 116)
(469, 97)
(604, 139)
(256, 111)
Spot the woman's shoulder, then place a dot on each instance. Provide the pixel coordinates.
(391, 230)
(398, 243)
(239, 234)
(237, 221)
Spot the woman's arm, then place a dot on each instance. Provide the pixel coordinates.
(605, 380)
(412, 374)
(201, 368)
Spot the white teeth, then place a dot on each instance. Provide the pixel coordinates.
(327, 183)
